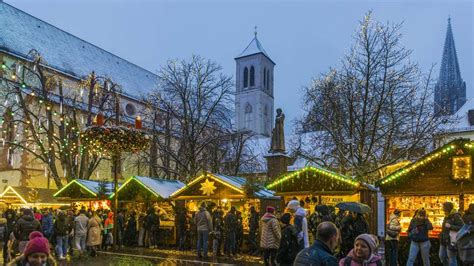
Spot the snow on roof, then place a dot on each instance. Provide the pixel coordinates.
(21, 32)
(461, 118)
(94, 186)
(254, 47)
(239, 182)
(162, 187)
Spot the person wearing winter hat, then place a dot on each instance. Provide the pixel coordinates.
(363, 253)
(37, 252)
(270, 237)
(300, 222)
(288, 243)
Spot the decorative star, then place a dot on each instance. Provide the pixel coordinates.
(207, 187)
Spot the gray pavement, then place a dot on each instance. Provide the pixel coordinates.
(142, 256)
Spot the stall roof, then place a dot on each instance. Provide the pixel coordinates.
(328, 175)
(26, 195)
(236, 183)
(162, 188)
(92, 187)
(446, 150)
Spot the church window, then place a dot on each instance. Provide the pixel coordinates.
(248, 116)
(246, 77)
(252, 76)
(265, 120)
(264, 77)
(268, 79)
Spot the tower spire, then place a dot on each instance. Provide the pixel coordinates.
(450, 91)
(255, 31)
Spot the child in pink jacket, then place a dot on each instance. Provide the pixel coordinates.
(363, 253)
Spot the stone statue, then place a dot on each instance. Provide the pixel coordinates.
(278, 133)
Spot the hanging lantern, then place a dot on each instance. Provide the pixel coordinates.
(138, 122)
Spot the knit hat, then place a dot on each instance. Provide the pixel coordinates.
(285, 218)
(37, 244)
(293, 204)
(371, 241)
(270, 209)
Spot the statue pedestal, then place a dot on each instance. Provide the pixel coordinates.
(277, 164)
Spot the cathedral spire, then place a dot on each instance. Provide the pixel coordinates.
(450, 90)
(449, 71)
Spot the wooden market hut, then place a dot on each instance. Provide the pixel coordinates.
(226, 191)
(86, 193)
(445, 174)
(18, 197)
(315, 185)
(140, 193)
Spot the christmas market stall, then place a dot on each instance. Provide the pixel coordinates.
(140, 193)
(315, 186)
(18, 197)
(89, 194)
(225, 191)
(444, 174)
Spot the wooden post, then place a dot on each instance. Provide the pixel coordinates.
(116, 161)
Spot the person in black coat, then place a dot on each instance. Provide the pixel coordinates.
(182, 224)
(352, 225)
(288, 243)
(131, 235)
(10, 215)
(253, 231)
(230, 228)
(152, 227)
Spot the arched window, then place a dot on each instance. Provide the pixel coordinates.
(264, 77)
(265, 120)
(248, 116)
(246, 77)
(252, 76)
(268, 79)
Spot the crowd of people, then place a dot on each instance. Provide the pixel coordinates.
(456, 237)
(31, 237)
(340, 238)
(85, 231)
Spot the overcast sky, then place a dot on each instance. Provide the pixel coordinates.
(303, 38)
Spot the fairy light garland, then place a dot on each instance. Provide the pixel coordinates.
(443, 151)
(318, 170)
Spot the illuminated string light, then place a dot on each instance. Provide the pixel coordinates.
(318, 170)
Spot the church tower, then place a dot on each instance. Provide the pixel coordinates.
(450, 90)
(254, 89)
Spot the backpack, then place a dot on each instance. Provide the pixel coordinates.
(465, 243)
(348, 261)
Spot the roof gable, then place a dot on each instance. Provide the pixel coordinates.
(253, 48)
(218, 185)
(313, 179)
(157, 188)
(20, 33)
(80, 188)
(448, 149)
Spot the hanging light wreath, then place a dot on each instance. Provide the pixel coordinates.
(109, 140)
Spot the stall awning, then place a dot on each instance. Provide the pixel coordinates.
(313, 179)
(85, 189)
(222, 186)
(147, 188)
(30, 196)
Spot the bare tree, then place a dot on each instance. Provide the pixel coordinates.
(376, 109)
(192, 121)
(46, 112)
